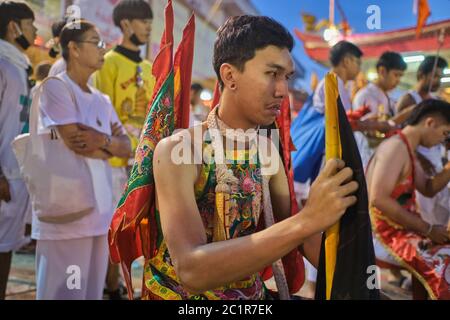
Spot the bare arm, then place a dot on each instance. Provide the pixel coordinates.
(118, 146)
(430, 186)
(405, 102)
(386, 171)
(68, 132)
(91, 143)
(403, 115)
(199, 265)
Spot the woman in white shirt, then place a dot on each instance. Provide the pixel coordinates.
(72, 258)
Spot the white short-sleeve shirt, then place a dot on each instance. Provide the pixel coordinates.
(319, 96)
(96, 111)
(374, 98)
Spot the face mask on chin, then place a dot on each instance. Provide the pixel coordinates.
(53, 52)
(21, 40)
(134, 39)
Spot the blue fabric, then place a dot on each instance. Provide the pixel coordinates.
(308, 136)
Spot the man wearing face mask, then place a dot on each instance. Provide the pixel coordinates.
(127, 79)
(60, 65)
(17, 33)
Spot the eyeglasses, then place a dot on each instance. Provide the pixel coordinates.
(99, 44)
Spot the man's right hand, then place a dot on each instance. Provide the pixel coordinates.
(439, 234)
(329, 197)
(4, 190)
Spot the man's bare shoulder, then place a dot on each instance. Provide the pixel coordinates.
(178, 148)
(405, 101)
(393, 149)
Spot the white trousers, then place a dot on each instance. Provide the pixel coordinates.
(13, 217)
(382, 254)
(72, 269)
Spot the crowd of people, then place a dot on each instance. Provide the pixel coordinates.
(404, 147)
(96, 103)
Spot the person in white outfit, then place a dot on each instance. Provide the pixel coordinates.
(427, 206)
(435, 210)
(428, 82)
(17, 33)
(390, 69)
(72, 258)
(345, 58)
(59, 66)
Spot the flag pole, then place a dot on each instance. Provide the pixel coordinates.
(332, 150)
(441, 42)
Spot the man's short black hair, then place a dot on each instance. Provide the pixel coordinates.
(131, 9)
(391, 61)
(430, 107)
(13, 11)
(341, 49)
(426, 66)
(239, 38)
(196, 87)
(57, 27)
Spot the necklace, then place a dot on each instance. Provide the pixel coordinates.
(225, 179)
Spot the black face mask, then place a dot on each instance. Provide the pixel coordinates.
(53, 52)
(23, 42)
(134, 39)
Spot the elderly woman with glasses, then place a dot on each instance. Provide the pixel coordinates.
(72, 258)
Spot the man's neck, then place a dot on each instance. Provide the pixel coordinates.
(380, 85)
(412, 134)
(422, 89)
(340, 73)
(230, 114)
(127, 44)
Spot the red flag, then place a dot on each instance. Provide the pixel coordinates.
(293, 261)
(183, 72)
(165, 64)
(284, 125)
(167, 36)
(422, 16)
(133, 230)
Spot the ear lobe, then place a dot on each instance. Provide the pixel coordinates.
(228, 75)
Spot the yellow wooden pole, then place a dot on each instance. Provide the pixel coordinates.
(332, 150)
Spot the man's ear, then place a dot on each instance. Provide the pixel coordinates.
(430, 122)
(126, 27)
(229, 75)
(14, 29)
(346, 61)
(382, 71)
